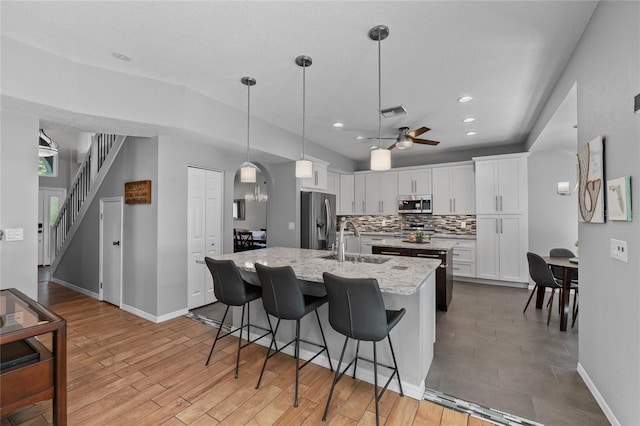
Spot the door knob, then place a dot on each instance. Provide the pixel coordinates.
(116, 243)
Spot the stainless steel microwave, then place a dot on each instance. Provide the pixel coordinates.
(415, 204)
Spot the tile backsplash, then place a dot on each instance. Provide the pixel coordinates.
(450, 224)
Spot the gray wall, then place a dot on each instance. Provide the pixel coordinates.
(283, 206)
(137, 160)
(19, 201)
(606, 66)
(553, 219)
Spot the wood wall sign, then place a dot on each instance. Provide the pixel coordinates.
(137, 192)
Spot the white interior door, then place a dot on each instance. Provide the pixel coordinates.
(49, 203)
(111, 250)
(204, 232)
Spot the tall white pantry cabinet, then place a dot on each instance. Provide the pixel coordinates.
(502, 218)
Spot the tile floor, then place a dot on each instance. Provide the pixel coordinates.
(490, 353)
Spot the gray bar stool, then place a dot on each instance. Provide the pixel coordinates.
(357, 311)
(232, 290)
(283, 298)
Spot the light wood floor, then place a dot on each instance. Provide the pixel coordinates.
(124, 370)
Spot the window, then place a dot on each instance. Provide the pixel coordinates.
(48, 166)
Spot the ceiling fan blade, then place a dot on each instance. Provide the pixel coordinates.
(425, 141)
(418, 132)
(391, 147)
(375, 139)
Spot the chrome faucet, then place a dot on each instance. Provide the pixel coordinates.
(356, 232)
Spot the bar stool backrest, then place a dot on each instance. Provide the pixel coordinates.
(228, 285)
(281, 294)
(356, 308)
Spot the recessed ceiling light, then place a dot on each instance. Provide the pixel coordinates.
(373, 147)
(338, 124)
(121, 56)
(465, 99)
(468, 119)
(359, 138)
(471, 133)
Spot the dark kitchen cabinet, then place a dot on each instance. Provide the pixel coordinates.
(444, 272)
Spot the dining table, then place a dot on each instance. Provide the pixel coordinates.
(567, 264)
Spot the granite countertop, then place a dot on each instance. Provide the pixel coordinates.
(455, 236)
(399, 275)
(402, 243)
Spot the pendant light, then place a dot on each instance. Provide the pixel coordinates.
(380, 157)
(304, 167)
(248, 169)
(47, 147)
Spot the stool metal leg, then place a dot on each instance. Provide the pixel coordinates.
(297, 355)
(326, 348)
(239, 342)
(335, 379)
(266, 357)
(395, 364)
(217, 335)
(355, 364)
(375, 381)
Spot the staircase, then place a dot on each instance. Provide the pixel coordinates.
(92, 171)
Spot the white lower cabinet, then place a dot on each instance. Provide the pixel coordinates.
(464, 257)
(502, 242)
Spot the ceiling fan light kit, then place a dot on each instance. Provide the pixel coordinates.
(248, 169)
(304, 167)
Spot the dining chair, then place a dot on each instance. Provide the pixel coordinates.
(283, 298)
(542, 277)
(357, 311)
(558, 274)
(230, 289)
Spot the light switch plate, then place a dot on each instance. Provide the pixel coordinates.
(292, 226)
(15, 234)
(619, 250)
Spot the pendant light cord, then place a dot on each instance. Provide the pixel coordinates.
(379, 94)
(304, 103)
(248, 117)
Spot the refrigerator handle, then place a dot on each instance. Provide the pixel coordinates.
(327, 218)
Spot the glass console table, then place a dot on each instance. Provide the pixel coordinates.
(29, 372)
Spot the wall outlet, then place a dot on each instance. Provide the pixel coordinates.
(384, 222)
(16, 234)
(619, 250)
(463, 225)
(292, 226)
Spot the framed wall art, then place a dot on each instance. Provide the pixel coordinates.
(591, 182)
(619, 198)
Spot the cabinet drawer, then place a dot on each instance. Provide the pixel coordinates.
(463, 269)
(464, 254)
(391, 251)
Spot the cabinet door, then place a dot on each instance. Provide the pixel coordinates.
(406, 182)
(512, 186)
(487, 187)
(513, 252)
(359, 194)
(331, 183)
(318, 179)
(346, 204)
(387, 193)
(372, 193)
(463, 190)
(442, 201)
(422, 179)
(488, 247)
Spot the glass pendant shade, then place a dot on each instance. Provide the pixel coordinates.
(404, 142)
(304, 169)
(248, 173)
(380, 159)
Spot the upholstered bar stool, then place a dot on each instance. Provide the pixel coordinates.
(232, 290)
(357, 311)
(283, 298)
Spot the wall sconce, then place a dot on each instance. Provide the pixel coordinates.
(564, 188)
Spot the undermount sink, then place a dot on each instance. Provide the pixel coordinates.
(355, 258)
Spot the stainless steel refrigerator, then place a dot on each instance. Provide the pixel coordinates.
(317, 220)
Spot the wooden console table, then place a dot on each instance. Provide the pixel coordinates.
(31, 373)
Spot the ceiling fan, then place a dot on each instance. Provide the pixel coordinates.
(406, 139)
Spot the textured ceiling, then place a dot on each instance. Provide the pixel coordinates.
(508, 55)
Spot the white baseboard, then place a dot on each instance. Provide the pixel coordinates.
(490, 282)
(156, 319)
(76, 288)
(599, 399)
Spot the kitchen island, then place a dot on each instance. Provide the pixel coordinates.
(405, 282)
(433, 249)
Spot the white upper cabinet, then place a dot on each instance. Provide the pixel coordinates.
(454, 190)
(359, 194)
(346, 202)
(333, 184)
(501, 184)
(318, 180)
(381, 193)
(414, 182)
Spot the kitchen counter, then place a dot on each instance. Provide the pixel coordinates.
(402, 243)
(405, 282)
